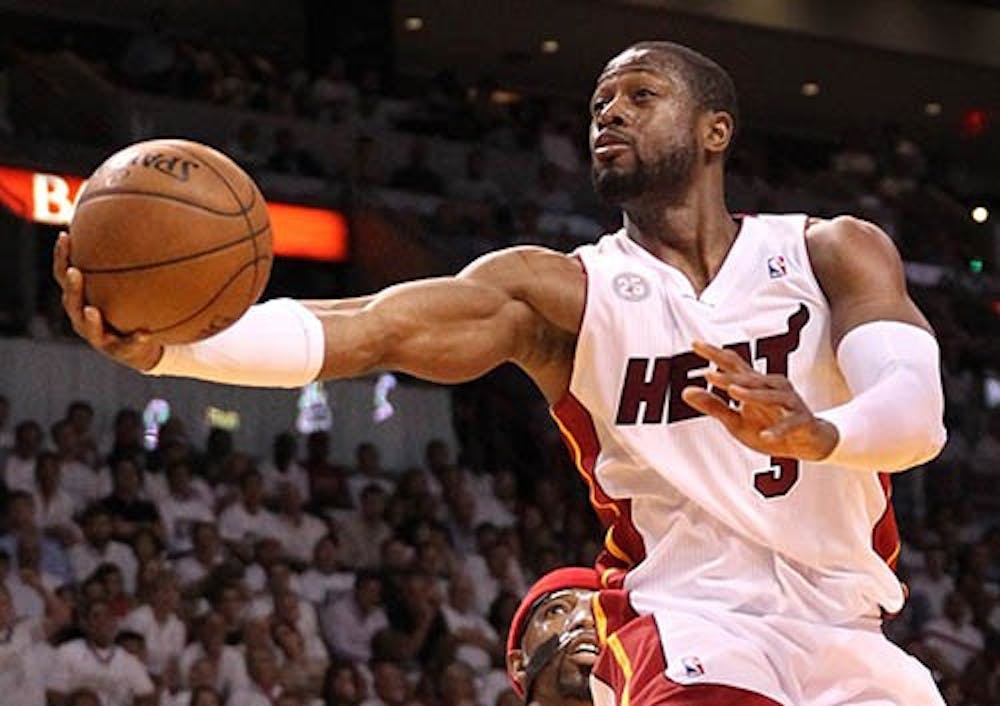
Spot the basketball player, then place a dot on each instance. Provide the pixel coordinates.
(732, 390)
(552, 643)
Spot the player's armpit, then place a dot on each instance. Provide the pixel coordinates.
(861, 273)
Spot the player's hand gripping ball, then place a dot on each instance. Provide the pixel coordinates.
(171, 238)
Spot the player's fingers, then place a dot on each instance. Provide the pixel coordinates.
(761, 396)
(725, 359)
(72, 297)
(60, 258)
(93, 329)
(724, 380)
(707, 403)
(778, 382)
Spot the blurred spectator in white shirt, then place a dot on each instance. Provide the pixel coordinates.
(53, 506)
(368, 470)
(350, 623)
(183, 507)
(247, 520)
(81, 482)
(208, 553)
(297, 530)
(96, 662)
(477, 642)
(389, 684)
(932, 585)
(158, 621)
(226, 662)
(263, 688)
(99, 548)
(325, 579)
(25, 654)
(955, 638)
(19, 469)
(492, 572)
(21, 526)
(364, 530)
(283, 468)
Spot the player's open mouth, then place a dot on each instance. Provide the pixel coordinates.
(584, 651)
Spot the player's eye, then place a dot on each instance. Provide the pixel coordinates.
(555, 610)
(643, 94)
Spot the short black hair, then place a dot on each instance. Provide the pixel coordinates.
(368, 575)
(711, 86)
(95, 509)
(79, 405)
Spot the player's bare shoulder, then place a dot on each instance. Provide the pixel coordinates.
(552, 283)
(846, 235)
(845, 249)
(861, 273)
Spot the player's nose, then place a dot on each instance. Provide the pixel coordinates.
(612, 114)
(582, 616)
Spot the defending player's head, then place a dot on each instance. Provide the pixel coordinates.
(661, 115)
(553, 644)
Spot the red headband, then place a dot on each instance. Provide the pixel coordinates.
(558, 580)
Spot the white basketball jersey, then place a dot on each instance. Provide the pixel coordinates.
(693, 515)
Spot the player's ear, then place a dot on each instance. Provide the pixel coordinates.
(515, 667)
(717, 130)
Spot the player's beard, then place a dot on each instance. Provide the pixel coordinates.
(573, 681)
(666, 179)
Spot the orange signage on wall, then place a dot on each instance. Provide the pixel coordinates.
(298, 231)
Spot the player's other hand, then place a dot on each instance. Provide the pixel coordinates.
(770, 416)
(134, 350)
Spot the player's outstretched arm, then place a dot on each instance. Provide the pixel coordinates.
(886, 352)
(515, 305)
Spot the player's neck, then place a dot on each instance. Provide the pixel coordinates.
(693, 234)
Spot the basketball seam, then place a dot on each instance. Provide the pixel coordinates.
(245, 214)
(243, 211)
(218, 293)
(174, 261)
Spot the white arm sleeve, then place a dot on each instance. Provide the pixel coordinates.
(894, 421)
(276, 344)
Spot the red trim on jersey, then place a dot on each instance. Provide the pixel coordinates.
(612, 611)
(623, 546)
(885, 533)
(633, 666)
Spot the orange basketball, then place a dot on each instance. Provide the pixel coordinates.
(173, 238)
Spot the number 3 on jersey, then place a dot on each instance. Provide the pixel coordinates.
(778, 479)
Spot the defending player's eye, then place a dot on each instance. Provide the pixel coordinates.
(643, 94)
(556, 609)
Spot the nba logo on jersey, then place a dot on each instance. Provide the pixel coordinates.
(776, 266)
(693, 667)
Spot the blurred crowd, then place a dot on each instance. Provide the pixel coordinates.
(298, 579)
(198, 575)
